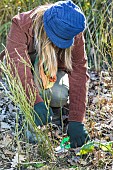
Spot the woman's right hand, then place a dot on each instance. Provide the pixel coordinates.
(42, 114)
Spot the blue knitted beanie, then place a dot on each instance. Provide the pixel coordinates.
(62, 22)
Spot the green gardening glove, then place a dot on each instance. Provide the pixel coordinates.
(42, 115)
(78, 134)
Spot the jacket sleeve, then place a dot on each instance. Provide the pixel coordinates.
(17, 46)
(78, 80)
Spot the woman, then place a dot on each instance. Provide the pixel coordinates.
(52, 36)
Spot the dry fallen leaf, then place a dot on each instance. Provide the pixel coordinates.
(98, 155)
(18, 158)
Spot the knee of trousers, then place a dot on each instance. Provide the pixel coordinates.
(58, 96)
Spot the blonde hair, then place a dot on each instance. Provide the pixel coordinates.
(48, 53)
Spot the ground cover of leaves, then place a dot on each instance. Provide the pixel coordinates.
(18, 154)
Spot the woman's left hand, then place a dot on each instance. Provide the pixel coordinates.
(78, 134)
